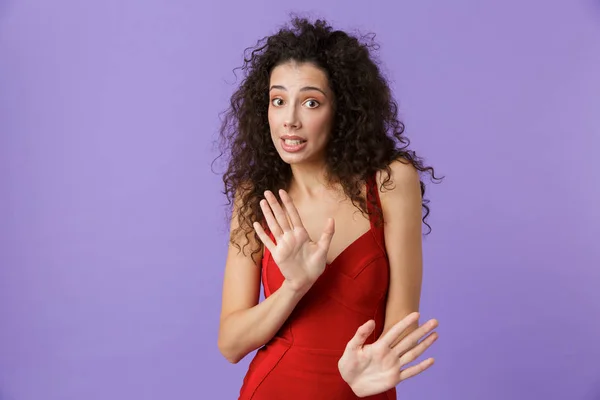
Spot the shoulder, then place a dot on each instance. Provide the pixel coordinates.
(399, 182)
(242, 218)
(242, 200)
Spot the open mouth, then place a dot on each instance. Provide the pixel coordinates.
(293, 142)
(293, 145)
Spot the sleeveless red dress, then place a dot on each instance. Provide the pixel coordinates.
(300, 362)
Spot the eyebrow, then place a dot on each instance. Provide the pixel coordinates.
(304, 89)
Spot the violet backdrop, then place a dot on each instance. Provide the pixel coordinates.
(112, 225)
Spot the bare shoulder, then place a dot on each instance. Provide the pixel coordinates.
(239, 238)
(403, 179)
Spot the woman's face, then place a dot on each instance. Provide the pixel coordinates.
(300, 112)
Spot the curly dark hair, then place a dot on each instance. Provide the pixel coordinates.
(366, 135)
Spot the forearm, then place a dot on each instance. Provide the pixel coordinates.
(246, 330)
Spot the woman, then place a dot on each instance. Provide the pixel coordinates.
(327, 213)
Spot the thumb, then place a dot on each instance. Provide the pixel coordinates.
(361, 335)
(327, 235)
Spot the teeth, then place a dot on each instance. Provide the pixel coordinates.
(292, 142)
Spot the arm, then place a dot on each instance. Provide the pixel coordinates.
(247, 329)
(374, 368)
(402, 212)
(245, 325)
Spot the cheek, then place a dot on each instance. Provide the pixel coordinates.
(274, 115)
(271, 120)
(322, 125)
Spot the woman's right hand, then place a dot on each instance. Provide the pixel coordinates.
(300, 260)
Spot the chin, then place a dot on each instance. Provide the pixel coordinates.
(303, 157)
(298, 159)
(292, 159)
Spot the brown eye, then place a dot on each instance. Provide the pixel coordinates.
(312, 104)
(277, 102)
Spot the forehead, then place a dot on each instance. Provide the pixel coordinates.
(296, 74)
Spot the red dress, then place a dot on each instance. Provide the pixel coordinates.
(300, 362)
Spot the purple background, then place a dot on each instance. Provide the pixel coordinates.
(112, 230)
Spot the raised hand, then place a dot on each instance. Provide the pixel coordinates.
(300, 259)
(374, 368)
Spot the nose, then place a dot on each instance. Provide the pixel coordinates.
(291, 120)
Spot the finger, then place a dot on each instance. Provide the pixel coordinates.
(361, 335)
(291, 209)
(327, 235)
(413, 338)
(416, 369)
(270, 218)
(278, 211)
(264, 237)
(399, 327)
(416, 351)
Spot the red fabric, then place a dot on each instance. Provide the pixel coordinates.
(300, 362)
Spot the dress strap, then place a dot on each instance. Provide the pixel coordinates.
(377, 223)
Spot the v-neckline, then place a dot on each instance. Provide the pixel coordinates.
(347, 248)
(370, 231)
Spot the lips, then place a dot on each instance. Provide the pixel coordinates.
(293, 137)
(292, 143)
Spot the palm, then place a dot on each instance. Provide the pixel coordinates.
(374, 368)
(297, 249)
(371, 366)
(300, 260)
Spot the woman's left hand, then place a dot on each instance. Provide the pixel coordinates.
(374, 368)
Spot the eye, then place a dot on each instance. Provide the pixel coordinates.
(277, 102)
(312, 103)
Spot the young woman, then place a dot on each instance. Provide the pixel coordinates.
(327, 214)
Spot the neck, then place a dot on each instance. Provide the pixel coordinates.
(310, 180)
